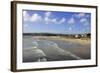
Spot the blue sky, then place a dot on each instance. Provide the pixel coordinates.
(37, 21)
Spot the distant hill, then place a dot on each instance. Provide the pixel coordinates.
(55, 34)
(44, 34)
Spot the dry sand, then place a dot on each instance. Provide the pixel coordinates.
(78, 40)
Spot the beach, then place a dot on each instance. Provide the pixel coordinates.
(55, 48)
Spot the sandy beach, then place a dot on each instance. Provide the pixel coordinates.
(78, 40)
(56, 48)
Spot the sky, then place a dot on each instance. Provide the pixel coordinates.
(38, 21)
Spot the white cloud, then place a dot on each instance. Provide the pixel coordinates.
(25, 13)
(80, 15)
(70, 28)
(54, 20)
(58, 21)
(26, 16)
(47, 14)
(71, 21)
(35, 17)
(62, 20)
(83, 20)
(46, 18)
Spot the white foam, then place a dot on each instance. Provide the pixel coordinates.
(62, 50)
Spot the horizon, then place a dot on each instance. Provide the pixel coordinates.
(53, 33)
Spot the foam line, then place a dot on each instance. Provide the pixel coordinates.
(64, 51)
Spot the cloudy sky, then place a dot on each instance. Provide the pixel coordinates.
(35, 21)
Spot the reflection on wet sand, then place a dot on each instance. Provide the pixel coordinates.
(40, 49)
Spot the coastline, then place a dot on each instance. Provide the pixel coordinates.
(82, 41)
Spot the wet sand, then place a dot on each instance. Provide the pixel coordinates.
(58, 49)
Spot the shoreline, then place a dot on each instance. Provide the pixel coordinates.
(78, 47)
(82, 41)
